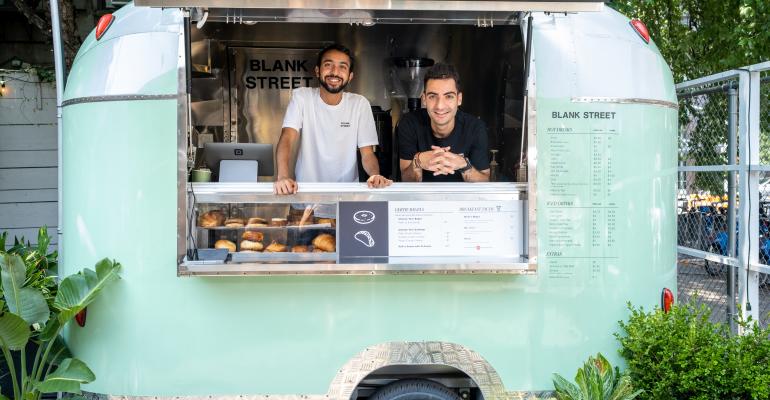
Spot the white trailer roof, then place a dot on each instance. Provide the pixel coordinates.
(395, 5)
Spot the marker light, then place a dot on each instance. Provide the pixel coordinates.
(104, 23)
(641, 29)
(80, 317)
(666, 299)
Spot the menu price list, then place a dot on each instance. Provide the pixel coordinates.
(459, 228)
(580, 199)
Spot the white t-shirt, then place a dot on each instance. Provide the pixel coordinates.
(329, 135)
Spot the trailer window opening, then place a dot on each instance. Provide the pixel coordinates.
(243, 76)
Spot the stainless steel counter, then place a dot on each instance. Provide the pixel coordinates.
(330, 263)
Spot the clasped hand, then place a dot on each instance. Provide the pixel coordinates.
(441, 161)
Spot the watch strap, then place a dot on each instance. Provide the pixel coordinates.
(466, 167)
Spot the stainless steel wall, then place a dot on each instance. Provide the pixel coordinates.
(489, 60)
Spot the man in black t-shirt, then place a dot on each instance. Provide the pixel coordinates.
(441, 143)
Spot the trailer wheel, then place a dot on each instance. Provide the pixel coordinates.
(415, 389)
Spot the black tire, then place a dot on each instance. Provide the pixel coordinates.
(712, 268)
(415, 389)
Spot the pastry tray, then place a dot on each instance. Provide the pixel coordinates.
(259, 228)
(239, 257)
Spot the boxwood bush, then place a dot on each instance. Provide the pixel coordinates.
(681, 355)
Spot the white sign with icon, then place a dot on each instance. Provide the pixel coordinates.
(459, 228)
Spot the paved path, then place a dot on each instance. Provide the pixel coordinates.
(694, 282)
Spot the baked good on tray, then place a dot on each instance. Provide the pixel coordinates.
(330, 221)
(278, 222)
(256, 220)
(275, 248)
(300, 248)
(325, 242)
(211, 219)
(251, 245)
(253, 236)
(235, 222)
(225, 244)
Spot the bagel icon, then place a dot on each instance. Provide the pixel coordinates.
(365, 238)
(364, 217)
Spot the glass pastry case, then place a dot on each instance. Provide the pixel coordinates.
(347, 228)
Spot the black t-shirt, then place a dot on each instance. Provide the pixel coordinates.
(468, 137)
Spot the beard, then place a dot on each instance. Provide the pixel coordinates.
(333, 90)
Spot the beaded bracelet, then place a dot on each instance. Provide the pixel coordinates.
(416, 160)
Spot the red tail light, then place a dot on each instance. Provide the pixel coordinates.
(80, 317)
(666, 299)
(104, 23)
(641, 29)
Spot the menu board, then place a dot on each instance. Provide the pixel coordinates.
(579, 191)
(431, 229)
(459, 228)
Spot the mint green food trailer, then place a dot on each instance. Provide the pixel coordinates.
(466, 290)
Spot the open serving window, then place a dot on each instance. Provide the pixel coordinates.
(242, 59)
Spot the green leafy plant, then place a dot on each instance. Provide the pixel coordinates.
(596, 380)
(682, 355)
(26, 316)
(41, 264)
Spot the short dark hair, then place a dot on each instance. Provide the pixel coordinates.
(338, 47)
(442, 71)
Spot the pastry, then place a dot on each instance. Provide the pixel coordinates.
(275, 248)
(234, 223)
(248, 251)
(330, 221)
(253, 236)
(256, 220)
(256, 225)
(325, 242)
(211, 219)
(278, 222)
(365, 238)
(300, 248)
(250, 245)
(225, 244)
(318, 251)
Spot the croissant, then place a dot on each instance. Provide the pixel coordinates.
(325, 242)
(251, 245)
(365, 238)
(253, 236)
(211, 219)
(225, 244)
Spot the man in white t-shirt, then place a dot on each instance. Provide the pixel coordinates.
(330, 125)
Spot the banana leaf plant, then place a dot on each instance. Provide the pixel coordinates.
(40, 262)
(26, 316)
(596, 380)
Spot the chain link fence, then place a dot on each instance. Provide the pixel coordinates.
(716, 170)
(707, 146)
(764, 189)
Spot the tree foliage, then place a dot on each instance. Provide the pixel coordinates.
(703, 37)
(38, 14)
